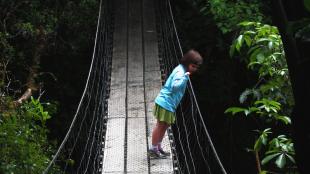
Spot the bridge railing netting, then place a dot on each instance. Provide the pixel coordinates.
(81, 149)
(193, 148)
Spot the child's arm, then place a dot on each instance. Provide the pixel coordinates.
(179, 80)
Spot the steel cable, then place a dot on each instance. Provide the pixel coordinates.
(189, 120)
(81, 149)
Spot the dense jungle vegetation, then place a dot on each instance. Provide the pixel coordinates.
(43, 55)
(245, 91)
(246, 95)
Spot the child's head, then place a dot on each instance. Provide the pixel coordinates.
(191, 60)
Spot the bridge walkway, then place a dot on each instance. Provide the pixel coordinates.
(135, 82)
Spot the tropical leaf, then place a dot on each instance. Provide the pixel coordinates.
(269, 157)
(248, 40)
(246, 23)
(290, 158)
(286, 120)
(258, 144)
(234, 110)
(281, 161)
(239, 42)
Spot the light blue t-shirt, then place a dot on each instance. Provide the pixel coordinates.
(172, 92)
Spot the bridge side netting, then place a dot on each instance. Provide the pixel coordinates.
(193, 148)
(81, 149)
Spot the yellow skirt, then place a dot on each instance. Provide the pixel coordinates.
(164, 115)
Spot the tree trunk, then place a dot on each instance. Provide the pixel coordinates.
(32, 85)
(259, 169)
(298, 61)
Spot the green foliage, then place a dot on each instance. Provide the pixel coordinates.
(265, 52)
(23, 139)
(263, 108)
(25, 26)
(262, 139)
(260, 47)
(27, 18)
(281, 150)
(34, 110)
(227, 14)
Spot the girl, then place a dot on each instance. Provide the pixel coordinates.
(168, 99)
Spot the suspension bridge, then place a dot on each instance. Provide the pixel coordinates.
(136, 46)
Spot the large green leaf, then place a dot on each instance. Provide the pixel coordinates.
(253, 56)
(262, 40)
(264, 139)
(291, 158)
(258, 144)
(270, 45)
(272, 152)
(275, 104)
(248, 40)
(284, 119)
(239, 42)
(269, 157)
(246, 23)
(281, 161)
(260, 57)
(253, 48)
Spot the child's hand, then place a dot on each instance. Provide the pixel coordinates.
(187, 73)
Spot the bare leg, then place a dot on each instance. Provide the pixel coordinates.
(159, 132)
(163, 130)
